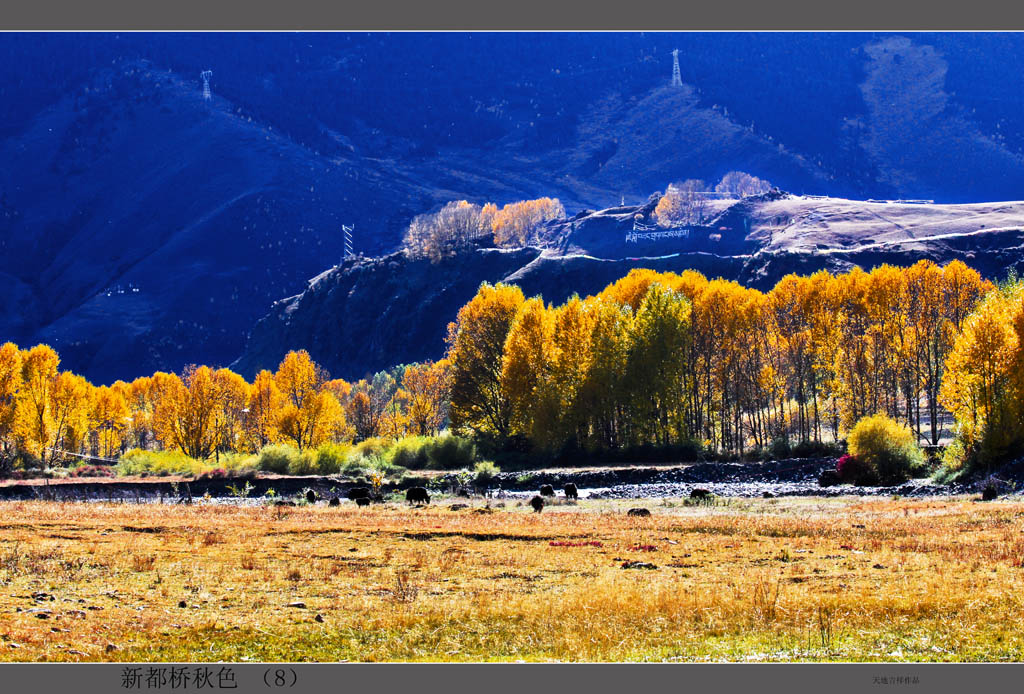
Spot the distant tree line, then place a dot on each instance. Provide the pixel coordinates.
(661, 359)
(460, 225)
(686, 202)
(653, 360)
(49, 416)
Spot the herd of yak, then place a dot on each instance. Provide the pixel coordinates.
(364, 496)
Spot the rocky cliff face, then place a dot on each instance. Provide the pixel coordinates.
(370, 314)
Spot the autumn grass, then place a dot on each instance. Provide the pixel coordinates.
(774, 579)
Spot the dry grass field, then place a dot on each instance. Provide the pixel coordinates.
(773, 579)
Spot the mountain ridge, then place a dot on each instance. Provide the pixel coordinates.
(755, 241)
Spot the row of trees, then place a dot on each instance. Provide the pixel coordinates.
(984, 384)
(665, 358)
(686, 202)
(49, 414)
(461, 224)
(654, 359)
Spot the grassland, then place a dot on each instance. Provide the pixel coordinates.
(773, 579)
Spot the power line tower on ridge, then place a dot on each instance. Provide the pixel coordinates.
(206, 75)
(677, 79)
(347, 231)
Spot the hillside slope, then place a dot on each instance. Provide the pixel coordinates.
(142, 228)
(371, 314)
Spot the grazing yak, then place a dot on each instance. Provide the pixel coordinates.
(362, 501)
(311, 496)
(358, 493)
(547, 490)
(417, 495)
(701, 494)
(571, 492)
(538, 504)
(641, 512)
(335, 501)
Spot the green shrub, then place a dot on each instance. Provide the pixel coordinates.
(371, 447)
(276, 458)
(450, 453)
(303, 463)
(888, 448)
(161, 463)
(331, 458)
(384, 466)
(355, 467)
(411, 452)
(236, 463)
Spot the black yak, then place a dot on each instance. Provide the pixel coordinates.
(310, 496)
(641, 512)
(547, 490)
(571, 492)
(702, 494)
(362, 501)
(358, 493)
(417, 495)
(538, 504)
(334, 501)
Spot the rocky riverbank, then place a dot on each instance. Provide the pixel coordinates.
(795, 477)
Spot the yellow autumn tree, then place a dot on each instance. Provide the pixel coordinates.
(109, 420)
(526, 362)
(34, 419)
(573, 326)
(139, 394)
(186, 411)
(429, 388)
(319, 419)
(517, 224)
(395, 421)
(450, 230)
(10, 387)
(983, 386)
(310, 414)
(264, 404)
(655, 368)
(230, 417)
(476, 341)
(682, 203)
(603, 391)
(69, 412)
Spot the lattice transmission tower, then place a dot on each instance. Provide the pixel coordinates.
(206, 75)
(347, 231)
(677, 78)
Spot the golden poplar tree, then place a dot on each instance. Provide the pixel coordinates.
(34, 419)
(10, 387)
(186, 411)
(264, 403)
(476, 341)
(109, 420)
(429, 388)
(526, 362)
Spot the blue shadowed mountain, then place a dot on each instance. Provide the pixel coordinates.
(144, 228)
